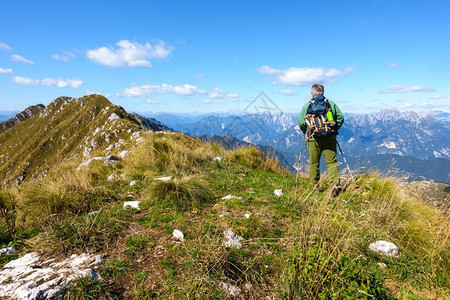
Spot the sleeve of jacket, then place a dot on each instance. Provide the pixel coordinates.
(337, 114)
(301, 118)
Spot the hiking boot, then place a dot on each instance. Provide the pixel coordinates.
(335, 190)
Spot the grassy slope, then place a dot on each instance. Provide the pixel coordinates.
(59, 132)
(302, 245)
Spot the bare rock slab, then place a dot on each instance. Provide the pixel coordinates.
(31, 277)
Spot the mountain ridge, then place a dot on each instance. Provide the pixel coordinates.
(68, 128)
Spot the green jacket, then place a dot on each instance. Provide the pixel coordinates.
(337, 115)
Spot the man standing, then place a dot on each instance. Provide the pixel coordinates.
(320, 119)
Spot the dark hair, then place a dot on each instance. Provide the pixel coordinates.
(317, 89)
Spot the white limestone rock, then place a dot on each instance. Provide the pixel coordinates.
(279, 193)
(217, 158)
(385, 248)
(113, 116)
(7, 250)
(178, 236)
(29, 277)
(228, 197)
(107, 160)
(232, 239)
(123, 154)
(132, 204)
(167, 178)
(230, 290)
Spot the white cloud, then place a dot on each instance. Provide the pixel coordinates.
(398, 88)
(19, 58)
(72, 83)
(240, 100)
(393, 65)
(66, 56)
(217, 93)
(437, 97)
(129, 54)
(88, 92)
(3, 46)
(303, 76)
(287, 92)
(268, 70)
(406, 105)
(25, 81)
(60, 57)
(209, 101)
(5, 71)
(143, 90)
(149, 101)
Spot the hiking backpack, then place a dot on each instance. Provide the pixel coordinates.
(319, 120)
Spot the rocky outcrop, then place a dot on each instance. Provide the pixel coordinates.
(32, 277)
(20, 117)
(149, 123)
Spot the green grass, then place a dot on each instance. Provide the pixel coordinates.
(137, 245)
(181, 194)
(87, 288)
(114, 269)
(88, 232)
(301, 245)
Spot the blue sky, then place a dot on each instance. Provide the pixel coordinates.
(211, 56)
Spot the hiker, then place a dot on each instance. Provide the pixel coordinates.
(320, 119)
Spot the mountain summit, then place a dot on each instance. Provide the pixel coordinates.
(68, 128)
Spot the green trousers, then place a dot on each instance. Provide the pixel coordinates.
(327, 147)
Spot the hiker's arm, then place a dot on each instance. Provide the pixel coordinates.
(338, 116)
(301, 119)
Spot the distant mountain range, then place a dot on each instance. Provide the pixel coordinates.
(419, 145)
(395, 143)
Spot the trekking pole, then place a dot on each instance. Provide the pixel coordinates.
(348, 168)
(299, 163)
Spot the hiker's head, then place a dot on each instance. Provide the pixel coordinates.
(317, 89)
